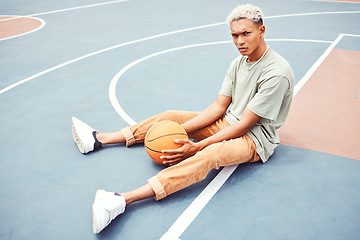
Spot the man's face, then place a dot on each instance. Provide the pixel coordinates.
(247, 37)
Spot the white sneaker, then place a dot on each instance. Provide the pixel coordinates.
(84, 136)
(106, 207)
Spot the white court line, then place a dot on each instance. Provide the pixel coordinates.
(101, 51)
(43, 23)
(351, 35)
(296, 40)
(315, 66)
(141, 40)
(65, 9)
(112, 88)
(310, 14)
(191, 212)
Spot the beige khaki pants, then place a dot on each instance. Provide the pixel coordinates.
(195, 168)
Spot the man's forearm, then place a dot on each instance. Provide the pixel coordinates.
(203, 119)
(209, 115)
(233, 131)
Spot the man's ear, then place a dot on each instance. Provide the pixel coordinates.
(262, 30)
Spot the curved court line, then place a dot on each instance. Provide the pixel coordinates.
(66, 9)
(43, 23)
(148, 38)
(101, 51)
(112, 88)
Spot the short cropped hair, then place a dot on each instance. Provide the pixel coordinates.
(247, 11)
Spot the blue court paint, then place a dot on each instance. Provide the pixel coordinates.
(349, 42)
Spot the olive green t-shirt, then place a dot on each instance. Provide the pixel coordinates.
(267, 90)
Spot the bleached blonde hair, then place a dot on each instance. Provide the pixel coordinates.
(247, 11)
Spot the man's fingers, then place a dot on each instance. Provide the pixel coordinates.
(170, 157)
(181, 141)
(172, 151)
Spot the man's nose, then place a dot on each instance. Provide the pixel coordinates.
(240, 41)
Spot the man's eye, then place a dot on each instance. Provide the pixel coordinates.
(246, 33)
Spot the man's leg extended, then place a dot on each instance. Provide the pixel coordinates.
(88, 139)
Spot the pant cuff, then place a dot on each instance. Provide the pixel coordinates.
(158, 188)
(129, 137)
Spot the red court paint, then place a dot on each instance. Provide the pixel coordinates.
(325, 114)
(16, 26)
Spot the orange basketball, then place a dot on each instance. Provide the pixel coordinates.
(161, 136)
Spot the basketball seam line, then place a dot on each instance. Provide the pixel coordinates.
(153, 150)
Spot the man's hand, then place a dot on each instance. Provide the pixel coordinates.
(175, 156)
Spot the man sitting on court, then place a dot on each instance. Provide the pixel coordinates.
(240, 126)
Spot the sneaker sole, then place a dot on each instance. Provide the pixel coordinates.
(95, 220)
(96, 214)
(77, 139)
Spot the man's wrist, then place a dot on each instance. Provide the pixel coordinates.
(202, 144)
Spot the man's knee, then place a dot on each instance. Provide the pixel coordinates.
(211, 155)
(176, 116)
(169, 115)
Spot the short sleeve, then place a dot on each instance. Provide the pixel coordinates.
(227, 85)
(268, 100)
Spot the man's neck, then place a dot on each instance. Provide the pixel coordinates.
(258, 53)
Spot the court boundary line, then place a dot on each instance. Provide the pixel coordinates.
(145, 39)
(191, 212)
(43, 23)
(65, 9)
(316, 65)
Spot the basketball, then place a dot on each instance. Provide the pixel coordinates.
(161, 136)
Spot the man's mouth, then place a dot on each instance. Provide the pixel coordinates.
(242, 49)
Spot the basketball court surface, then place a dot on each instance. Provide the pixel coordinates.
(114, 63)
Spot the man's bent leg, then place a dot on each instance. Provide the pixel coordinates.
(136, 133)
(195, 169)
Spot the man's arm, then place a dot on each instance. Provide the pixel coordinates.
(247, 121)
(208, 115)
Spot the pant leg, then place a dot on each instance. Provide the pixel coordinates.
(136, 133)
(195, 168)
(210, 130)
